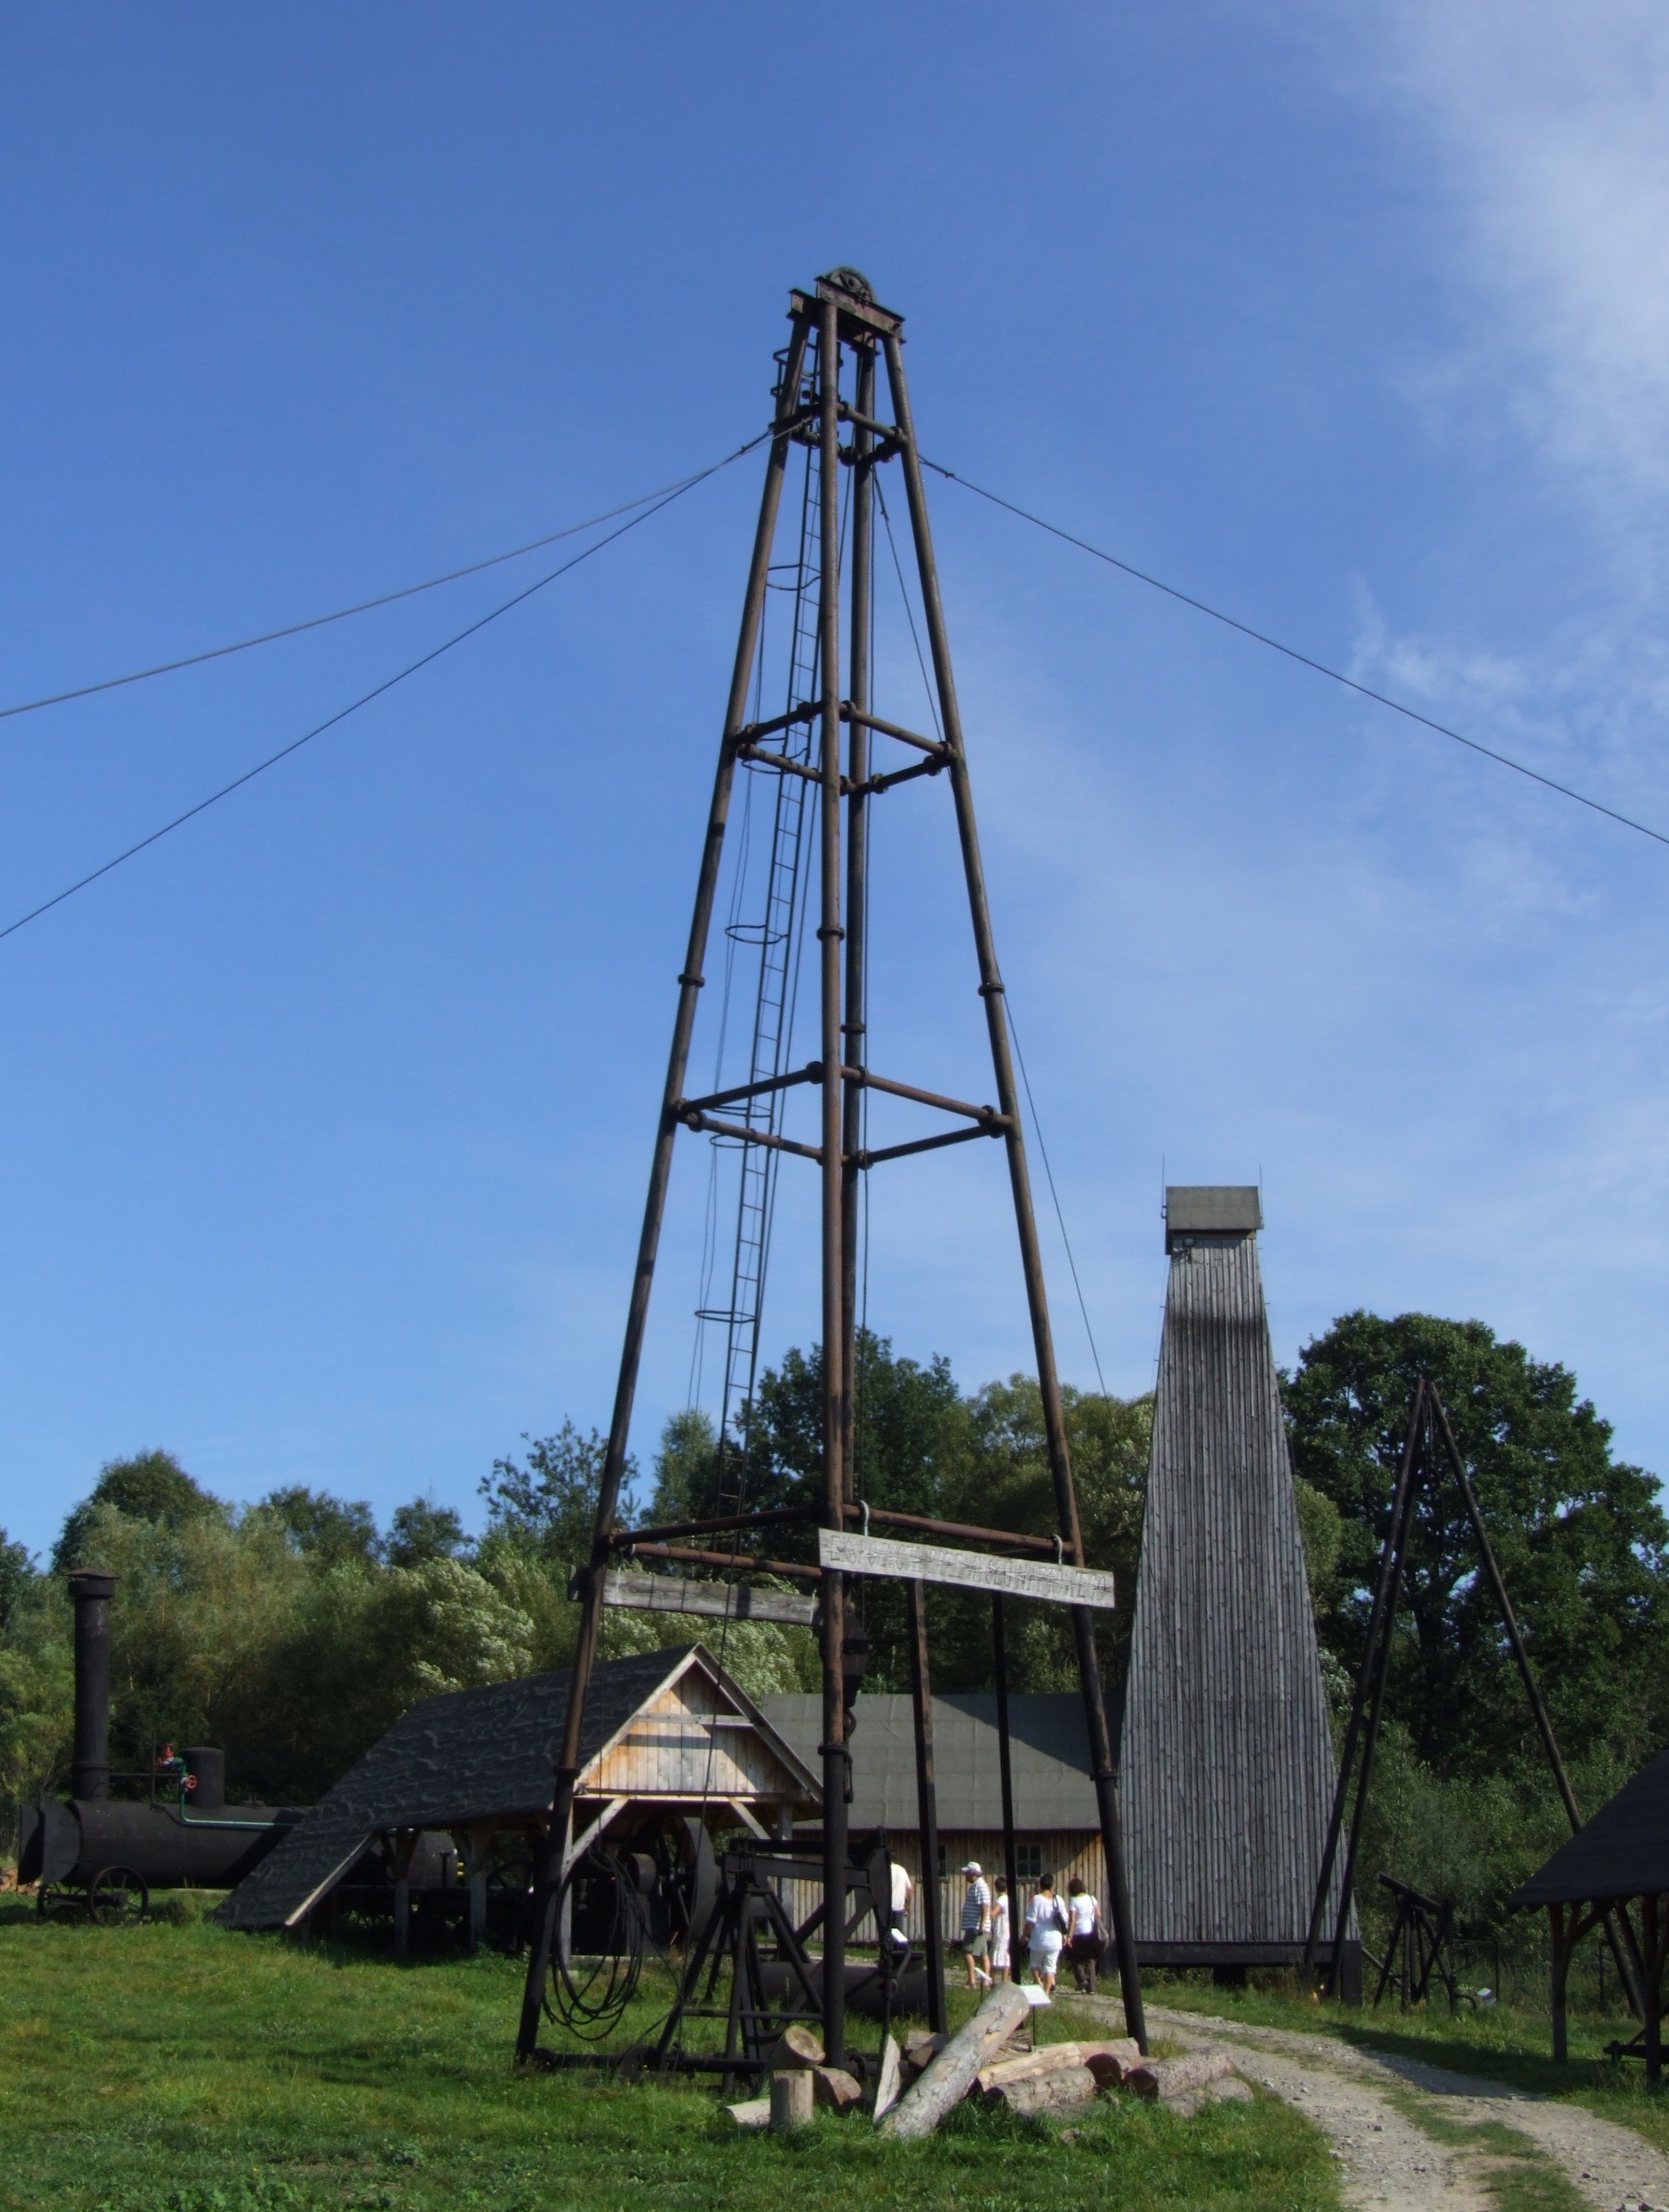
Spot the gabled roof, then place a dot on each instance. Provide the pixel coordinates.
(1052, 1789)
(1622, 1851)
(468, 1755)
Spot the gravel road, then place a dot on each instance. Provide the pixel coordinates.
(1370, 2105)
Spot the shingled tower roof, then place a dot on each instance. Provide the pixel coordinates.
(1227, 1769)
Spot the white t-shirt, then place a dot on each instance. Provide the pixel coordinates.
(1046, 1917)
(1082, 1910)
(901, 1888)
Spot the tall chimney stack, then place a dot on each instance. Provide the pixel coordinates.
(90, 1592)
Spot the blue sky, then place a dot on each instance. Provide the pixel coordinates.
(326, 1120)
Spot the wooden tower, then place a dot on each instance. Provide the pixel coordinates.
(1226, 1763)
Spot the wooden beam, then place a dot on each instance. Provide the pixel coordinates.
(971, 1570)
(722, 1601)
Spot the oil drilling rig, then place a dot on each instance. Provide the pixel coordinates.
(802, 778)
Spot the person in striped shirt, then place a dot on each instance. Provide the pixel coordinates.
(976, 1924)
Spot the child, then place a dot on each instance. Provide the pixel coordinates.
(999, 1933)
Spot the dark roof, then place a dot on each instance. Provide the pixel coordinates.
(1226, 1756)
(1212, 1209)
(466, 1755)
(1049, 1749)
(1622, 1851)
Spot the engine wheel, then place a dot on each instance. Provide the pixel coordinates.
(117, 1899)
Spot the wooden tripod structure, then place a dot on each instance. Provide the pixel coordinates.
(1429, 1450)
(827, 399)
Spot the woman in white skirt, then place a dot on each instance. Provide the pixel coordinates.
(1045, 1932)
(999, 1933)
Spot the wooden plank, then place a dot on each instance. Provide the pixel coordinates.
(971, 1570)
(723, 1601)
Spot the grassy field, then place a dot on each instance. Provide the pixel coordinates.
(179, 2068)
(1504, 2043)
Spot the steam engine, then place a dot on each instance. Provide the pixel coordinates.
(116, 1852)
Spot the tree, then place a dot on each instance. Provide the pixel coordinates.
(324, 1528)
(16, 1575)
(1580, 1537)
(152, 1487)
(550, 1504)
(422, 1531)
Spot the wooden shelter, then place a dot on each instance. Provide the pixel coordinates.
(1057, 1820)
(666, 1733)
(1227, 1766)
(1621, 1855)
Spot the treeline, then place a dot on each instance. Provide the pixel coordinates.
(295, 1630)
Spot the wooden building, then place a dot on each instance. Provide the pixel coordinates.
(1057, 1825)
(666, 1733)
(1226, 1767)
(1617, 1860)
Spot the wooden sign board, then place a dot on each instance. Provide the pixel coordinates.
(723, 1601)
(971, 1570)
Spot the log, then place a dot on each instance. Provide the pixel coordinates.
(889, 2081)
(946, 2081)
(1111, 2061)
(921, 2048)
(1057, 2091)
(1107, 2061)
(1162, 2080)
(792, 2096)
(796, 2046)
(833, 2085)
(756, 2113)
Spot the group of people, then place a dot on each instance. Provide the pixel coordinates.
(1052, 1924)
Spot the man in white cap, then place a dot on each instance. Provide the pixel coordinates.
(976, 1924)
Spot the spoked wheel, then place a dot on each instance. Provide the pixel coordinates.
(117, 1899)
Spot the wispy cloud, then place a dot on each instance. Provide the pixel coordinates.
(1551, 123)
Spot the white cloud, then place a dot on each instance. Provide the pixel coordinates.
(1552, 123)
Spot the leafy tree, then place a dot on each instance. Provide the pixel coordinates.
(422, 1531)
(152, 1487)
(550, 1504)
(323, 1528)
(686, 1468)
(1580, 1537)
(16, 1575)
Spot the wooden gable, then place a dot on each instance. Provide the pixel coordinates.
(698, 1737)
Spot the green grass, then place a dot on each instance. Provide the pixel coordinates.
(1505, 2043)
(176, 2067)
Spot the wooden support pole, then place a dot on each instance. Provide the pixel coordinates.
(1559, 1949)
(927, 1811)
(406, 1843)
(1655, 1922)
(1011, 1857)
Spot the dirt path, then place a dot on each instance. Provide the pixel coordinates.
(1399, 2128)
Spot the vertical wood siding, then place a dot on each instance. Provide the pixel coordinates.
(1227, 1764)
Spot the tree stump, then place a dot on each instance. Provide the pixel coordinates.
(790, 2100)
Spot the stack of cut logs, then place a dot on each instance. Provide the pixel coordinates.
(916, 2087)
